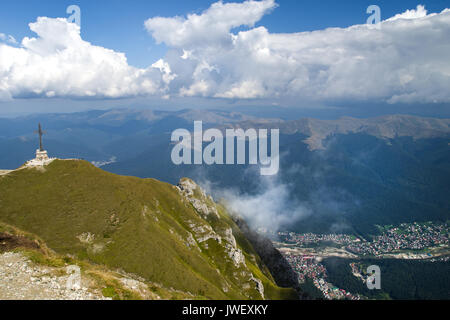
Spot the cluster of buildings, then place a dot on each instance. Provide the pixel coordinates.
(441, 259)
(306, 266)
(311, 238)
(359, 272)
(331, 292)
(407, 236)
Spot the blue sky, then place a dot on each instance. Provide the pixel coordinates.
(119, 24)
(209, 54)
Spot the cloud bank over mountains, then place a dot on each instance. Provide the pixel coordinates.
(404, 60)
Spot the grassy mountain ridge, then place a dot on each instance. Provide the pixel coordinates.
(174, 236)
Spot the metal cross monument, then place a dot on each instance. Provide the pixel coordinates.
(40, 133)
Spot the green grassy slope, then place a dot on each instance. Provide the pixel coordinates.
(141, 226)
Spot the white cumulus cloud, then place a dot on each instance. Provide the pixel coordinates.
(59, 63)
(419, 12)
(221, 53)
(406, 60)
(218, 20)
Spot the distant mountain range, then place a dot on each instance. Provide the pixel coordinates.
(386, 127)
(349, 174)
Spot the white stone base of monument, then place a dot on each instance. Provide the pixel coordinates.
(41, 159)
(41, 155)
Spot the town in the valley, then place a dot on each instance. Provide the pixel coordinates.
(305, 252)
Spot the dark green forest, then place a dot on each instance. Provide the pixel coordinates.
(400, 279)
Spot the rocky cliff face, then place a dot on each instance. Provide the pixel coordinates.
(217, 231)
(282, 272)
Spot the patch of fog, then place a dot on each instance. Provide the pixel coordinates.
(274, 206)
(100, 164)
(271, 208)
